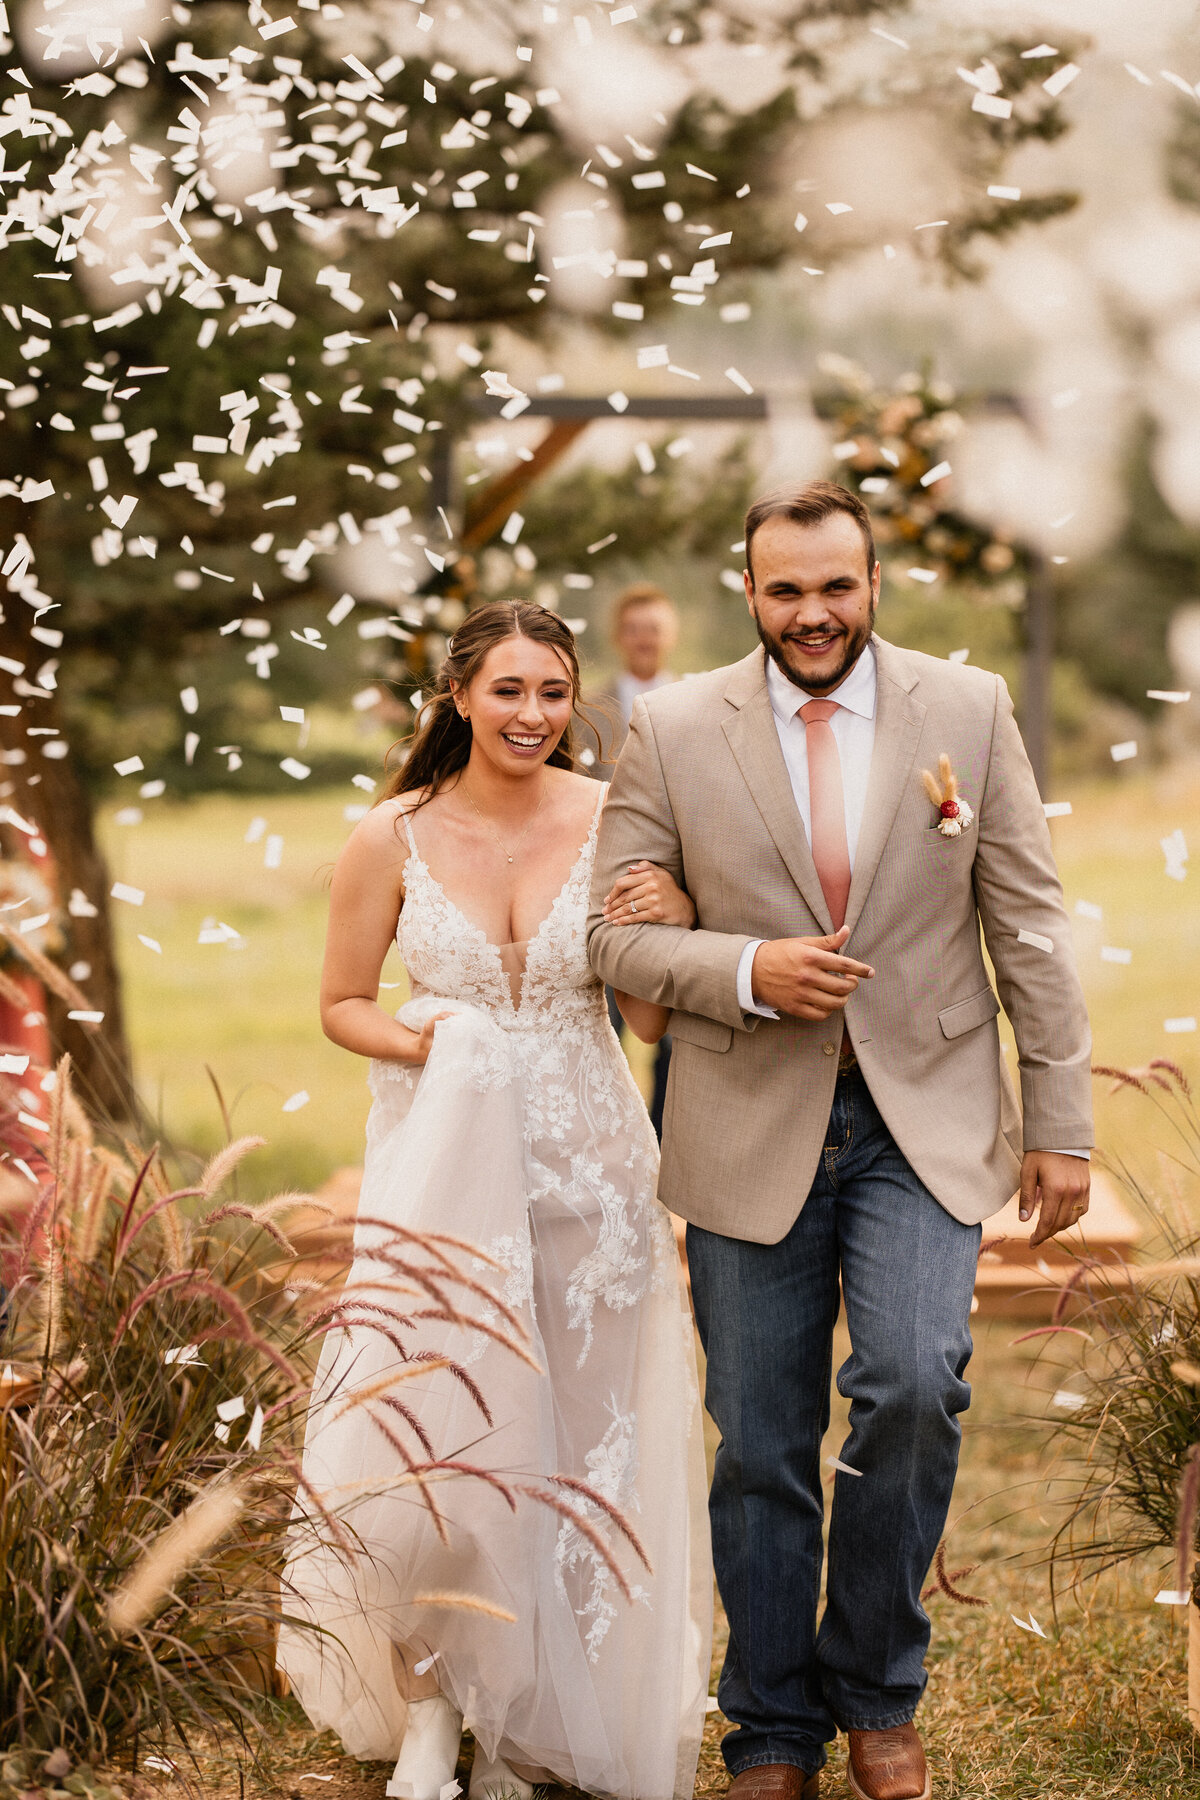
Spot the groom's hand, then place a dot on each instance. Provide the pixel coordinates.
(806, 977)
(1057, 1188)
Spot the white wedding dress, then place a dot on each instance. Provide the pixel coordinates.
(525, 1135)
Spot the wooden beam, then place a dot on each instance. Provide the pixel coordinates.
(645, 406)
(486, 511)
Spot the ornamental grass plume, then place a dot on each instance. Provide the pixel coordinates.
(163, 1340)
(1129, 1445)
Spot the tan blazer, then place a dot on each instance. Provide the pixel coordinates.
(701, 788)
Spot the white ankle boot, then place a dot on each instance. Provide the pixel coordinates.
(492, 1779)
(429, 1754)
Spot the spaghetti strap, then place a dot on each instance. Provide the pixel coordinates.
(601, 797)
(412, 842)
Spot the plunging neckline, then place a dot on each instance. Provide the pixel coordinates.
(477, 931)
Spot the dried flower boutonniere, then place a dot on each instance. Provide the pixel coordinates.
(956, 815)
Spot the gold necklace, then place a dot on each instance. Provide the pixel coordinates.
(510, 854)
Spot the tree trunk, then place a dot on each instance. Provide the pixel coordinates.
(1194, 1665)
(50, 794)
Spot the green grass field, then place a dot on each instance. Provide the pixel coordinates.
(248, 1009)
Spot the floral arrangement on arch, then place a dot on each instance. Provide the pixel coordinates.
(887, 444)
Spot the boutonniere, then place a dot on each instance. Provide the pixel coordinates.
(956, 815)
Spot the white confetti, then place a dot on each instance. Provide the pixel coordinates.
(12, 1064)
(254, 1433)
(424, 1666)
(132, 765)
(1036, 941)
(121, 890)
(296, 1101)
(1123, 752)
(273, 852)
(1180, 1025)
(1061, 79)
(1087, 909)
(835, 1462)
(1111, 953)
(297, 770)
(150, 943)
(938, 472)
(1172, 1597)
(993, 105)
(228, 1410)
(1057, 809)
(1172, 696)
(1068, 1399)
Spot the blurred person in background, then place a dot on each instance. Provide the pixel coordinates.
(645, 630)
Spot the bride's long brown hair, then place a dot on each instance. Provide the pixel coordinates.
(441, 744)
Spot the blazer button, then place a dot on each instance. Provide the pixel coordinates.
(828, 1049)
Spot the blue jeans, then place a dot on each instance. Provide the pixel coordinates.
(766, 1314)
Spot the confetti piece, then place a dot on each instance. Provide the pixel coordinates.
(712, 1704)
(150, 943)
(1172, 1597)
(1029, 1624)
(253, 1438)
(1069, 1400)
(1087, 909)
(121, 890)
(1036, 941)
(652, 356)
(1123, 752)
(739, 380)
(12, 1064)
(1175, 849)
(297, 770)
(1004, 193)
(424, 1666)
(923, 575)
(1061, 79)
(1110, 953)
(273, 855)
(1172, 696)
(296, 1101)
(835, 1462)
(1057, 809)
(132, 765)
(1179, 1025)
(87, 1018)
(993, 106)
(939, 471)
(228, 1410)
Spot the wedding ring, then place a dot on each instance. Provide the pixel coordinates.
(633, 906)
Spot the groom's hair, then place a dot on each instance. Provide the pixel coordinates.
(808, 505)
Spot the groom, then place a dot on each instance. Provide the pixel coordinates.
(839, 1115)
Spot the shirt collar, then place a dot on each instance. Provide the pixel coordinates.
(856, 693)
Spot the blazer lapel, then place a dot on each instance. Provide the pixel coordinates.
(754, 741)
(899, 718)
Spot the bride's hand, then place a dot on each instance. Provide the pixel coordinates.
(648, 896)
(424, 1040)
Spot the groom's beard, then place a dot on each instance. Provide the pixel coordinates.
(854, 643)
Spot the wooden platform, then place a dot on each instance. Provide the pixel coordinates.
(1016, 1281)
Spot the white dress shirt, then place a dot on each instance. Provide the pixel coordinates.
(853, 727)
(629, 688)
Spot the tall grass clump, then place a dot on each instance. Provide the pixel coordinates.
(156, 1359)
(1128, 1403)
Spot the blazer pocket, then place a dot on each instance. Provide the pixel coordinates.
(965, 1015)
(694, 1028)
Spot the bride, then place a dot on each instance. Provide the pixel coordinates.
(505, 1113)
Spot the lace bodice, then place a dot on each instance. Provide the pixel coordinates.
(445, 954)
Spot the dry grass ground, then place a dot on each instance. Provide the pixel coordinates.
(1095, 1709)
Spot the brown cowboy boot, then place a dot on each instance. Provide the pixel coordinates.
(775, 1781)
(888, 1765)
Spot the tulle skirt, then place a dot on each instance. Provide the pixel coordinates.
(531, 1142)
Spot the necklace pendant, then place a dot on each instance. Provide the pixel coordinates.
(510, 859)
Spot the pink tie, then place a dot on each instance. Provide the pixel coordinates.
(830, 852)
